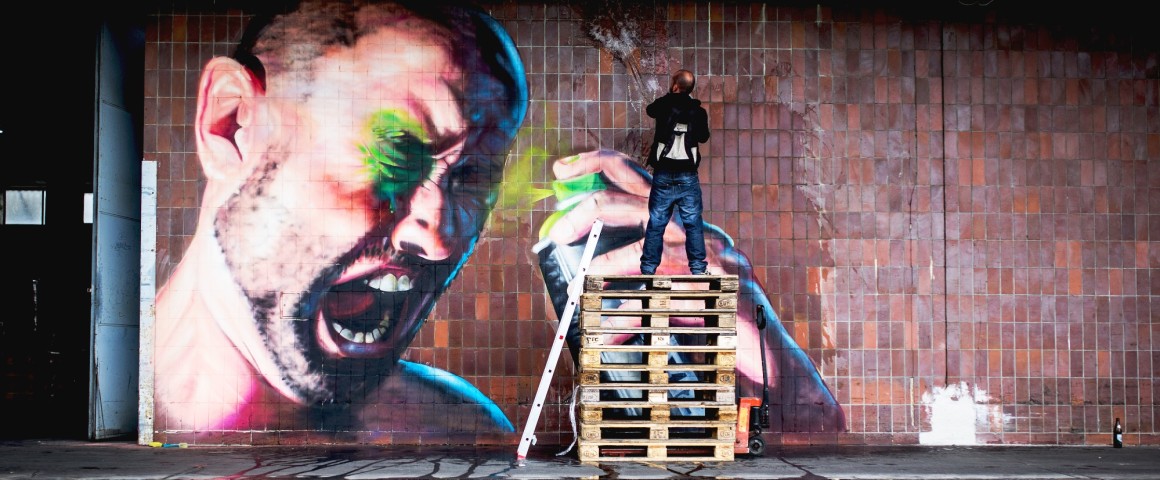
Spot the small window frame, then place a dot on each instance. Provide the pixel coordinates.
(24, 206)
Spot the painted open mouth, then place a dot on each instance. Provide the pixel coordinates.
(359, 315)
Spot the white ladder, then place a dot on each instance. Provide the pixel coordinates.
(575, 288)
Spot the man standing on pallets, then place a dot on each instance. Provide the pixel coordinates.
(681, 125)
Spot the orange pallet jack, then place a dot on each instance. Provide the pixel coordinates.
(753, 412)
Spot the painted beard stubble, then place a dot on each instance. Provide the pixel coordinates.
(269, 257)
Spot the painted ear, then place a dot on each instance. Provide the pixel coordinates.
(224, 108)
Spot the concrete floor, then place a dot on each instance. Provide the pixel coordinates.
(66, 460)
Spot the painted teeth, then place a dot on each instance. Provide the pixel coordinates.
(362, 337)
(391, 283)
(386, 283)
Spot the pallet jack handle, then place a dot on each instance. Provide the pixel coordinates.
(762, 417)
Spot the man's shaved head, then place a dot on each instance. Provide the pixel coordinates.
(684, 80)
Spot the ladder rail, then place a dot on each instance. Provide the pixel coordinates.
(575, 288)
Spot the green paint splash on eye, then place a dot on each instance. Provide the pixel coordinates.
(398, 155)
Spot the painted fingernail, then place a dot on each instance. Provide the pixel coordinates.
(571, 159)
(563, 230)
(567, 188)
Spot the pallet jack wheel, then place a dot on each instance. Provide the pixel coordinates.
(756, 446)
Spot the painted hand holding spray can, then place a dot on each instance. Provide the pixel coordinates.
(559, 262)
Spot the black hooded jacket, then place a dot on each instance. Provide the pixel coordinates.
(671, 109)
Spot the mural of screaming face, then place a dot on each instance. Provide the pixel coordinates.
(352, 153)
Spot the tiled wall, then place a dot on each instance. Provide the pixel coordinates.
(956, 219)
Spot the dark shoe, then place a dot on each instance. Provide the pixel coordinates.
(702, 273)
(646, 272)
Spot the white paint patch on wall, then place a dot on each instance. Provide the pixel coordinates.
(955, 412)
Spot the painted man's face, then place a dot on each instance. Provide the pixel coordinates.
(366, 201)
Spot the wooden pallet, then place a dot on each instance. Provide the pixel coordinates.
(710, 374)
(703, 412)
(590, 358)
(657, 394)
(724, 283)
(653, 300)
(656, 450)
(617, 318)
(660, 336)
(640, 430)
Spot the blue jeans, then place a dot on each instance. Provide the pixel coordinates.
(680, 191)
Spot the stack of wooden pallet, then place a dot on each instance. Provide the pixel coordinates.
(658, 368)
